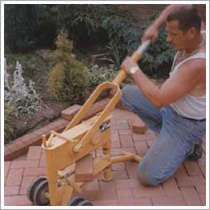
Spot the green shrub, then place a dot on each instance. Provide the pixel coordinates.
(9, 115)
(98, 74)
(68, 79)
(82, 22)
(120, 31)
(20, 27)
(88, 24)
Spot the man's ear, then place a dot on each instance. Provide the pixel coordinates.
(192, 32)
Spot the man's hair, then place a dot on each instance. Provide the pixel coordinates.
(187, 17)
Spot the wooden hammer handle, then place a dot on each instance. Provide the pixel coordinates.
(136, 57)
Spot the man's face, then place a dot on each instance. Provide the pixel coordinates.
(175, 36)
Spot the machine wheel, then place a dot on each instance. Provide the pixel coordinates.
(75, 201)
(40, 198)
(85, 203)
(32, 187)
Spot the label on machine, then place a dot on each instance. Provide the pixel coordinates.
(105, 126)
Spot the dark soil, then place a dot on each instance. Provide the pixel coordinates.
(49, 111)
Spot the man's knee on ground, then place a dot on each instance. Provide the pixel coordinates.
(145, 179)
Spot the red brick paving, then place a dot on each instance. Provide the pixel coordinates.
(186, 188)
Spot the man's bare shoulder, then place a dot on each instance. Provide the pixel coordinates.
(196, 64)
(193, 68)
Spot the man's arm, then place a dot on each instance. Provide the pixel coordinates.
(181, 83)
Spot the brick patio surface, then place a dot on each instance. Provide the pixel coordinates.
(187, 187)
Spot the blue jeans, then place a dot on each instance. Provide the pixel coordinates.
(176, 136)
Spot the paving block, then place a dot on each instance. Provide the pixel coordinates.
(17, 201)
(185, 180)
(126, 141)
(141, 147)
(34, 153)
(6, 167)
(127, 184)
(107, 190)
(143, 202)
(11, 190)
(170, 186)
(118, 166)
(191, 196)
(131, 167)
(25, 184)
(125, 132)
(119, 174)
(108, 202)
(121, 125)
(24, 163)
(70, 112)
(192, 168)
(203, 169)
(202, 162)
(39, 171)
(201, 188)
(116, 144)
(125, 197)
(14, 177)
(138, 126)
(172, 200)
(203, 199)
(148, 192)
(92, 195)
(84, 169)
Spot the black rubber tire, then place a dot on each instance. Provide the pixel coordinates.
(33, 185)
(75, 201)
(39, 194)
(85, 203)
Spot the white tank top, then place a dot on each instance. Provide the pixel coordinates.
(189, 106)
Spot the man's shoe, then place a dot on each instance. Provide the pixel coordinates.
(197, 153)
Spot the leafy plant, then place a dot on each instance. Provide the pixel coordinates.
(114, 56)
(9, 115)
(98, 74)
(67, 80)
(86, 24)
(122, 38)
(82, 22)
(17, 93)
